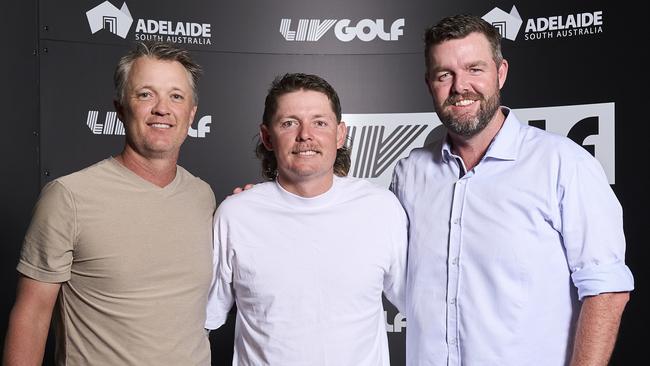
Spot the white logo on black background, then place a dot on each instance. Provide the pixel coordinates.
(507, 24)
(107, 16)
(202, 127)
(113, 126)
(311, 30)
(556, 26)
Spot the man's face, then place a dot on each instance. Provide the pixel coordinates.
(304, 136)
(158, 107)
(464, 82)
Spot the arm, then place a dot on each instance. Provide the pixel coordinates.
(598, 324)
(29, 322)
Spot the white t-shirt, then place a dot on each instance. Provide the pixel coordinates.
(307, 274)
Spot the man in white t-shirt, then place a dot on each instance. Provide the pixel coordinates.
(307, 255)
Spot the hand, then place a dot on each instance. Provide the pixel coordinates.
(240, 189)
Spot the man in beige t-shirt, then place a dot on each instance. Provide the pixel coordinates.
(120, 252)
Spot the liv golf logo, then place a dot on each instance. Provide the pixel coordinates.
(378, 141)
(113, 126)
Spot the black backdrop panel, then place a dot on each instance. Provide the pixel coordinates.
(244, 45)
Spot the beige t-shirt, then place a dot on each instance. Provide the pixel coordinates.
(134, 261)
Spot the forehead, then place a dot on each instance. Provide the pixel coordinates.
(304, 102)
(472, 48)
(149, 70)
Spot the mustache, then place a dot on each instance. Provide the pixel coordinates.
(305, 147)
(453, 99)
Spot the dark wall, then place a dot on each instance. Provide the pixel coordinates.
(58, 85)
(19, 185)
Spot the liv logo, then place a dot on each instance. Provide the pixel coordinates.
(375, 148)
(113, 126)
(378, 141)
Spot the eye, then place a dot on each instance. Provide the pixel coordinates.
(320, 123)
(178, 97)
(288, 123)
(144, 95)
(444, 76)
(475, 70)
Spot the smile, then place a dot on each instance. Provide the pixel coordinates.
(160, 125)
(464, 102)
(305, 153)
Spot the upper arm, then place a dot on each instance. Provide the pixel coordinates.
(36, 298)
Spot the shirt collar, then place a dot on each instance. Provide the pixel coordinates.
(504, 146)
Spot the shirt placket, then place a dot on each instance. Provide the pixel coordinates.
(453, 271)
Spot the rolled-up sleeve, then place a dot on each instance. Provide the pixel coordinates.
(592, 231)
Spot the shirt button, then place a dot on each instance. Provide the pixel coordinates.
(454, 261)
(456, 221)
(452, 301)
(453, 341)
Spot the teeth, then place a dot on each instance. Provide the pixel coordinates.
(307, 153)
(160, 125)
(464, 102)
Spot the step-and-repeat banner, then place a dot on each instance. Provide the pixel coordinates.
(560, 79)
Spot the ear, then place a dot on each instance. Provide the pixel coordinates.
(192, 114)
(265, 137)
(341, 134)
(119, 109)
(426, 81)
(502, 73)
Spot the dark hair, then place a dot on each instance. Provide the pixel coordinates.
(288, 83)
(460, 26)
(159, 51)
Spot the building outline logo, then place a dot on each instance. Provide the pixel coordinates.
(107, 16)
(508, 24)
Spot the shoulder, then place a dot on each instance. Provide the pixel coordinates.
(552, 145)
(195, 183)
(368, 193)
(248, 200)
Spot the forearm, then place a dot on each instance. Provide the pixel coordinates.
(598, 324)
(29, 322)
(26, 337)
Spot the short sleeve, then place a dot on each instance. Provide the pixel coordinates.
(395, 278)
(221, 296)
(592, 231)
(47, 251)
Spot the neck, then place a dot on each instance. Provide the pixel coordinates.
(472, 149)
(160, 172)
(307, 188)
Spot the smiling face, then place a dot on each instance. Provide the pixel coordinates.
(158, 108)
(465, 81)
(304, 135)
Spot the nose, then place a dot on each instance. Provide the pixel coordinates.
(461, 83)
(304, 132)
(160, 107)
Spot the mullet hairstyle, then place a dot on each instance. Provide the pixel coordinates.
(289, 83)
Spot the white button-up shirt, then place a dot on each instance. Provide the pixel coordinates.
(499, 256)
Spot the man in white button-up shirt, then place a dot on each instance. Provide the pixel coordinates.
(516, 247)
